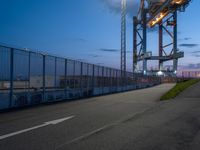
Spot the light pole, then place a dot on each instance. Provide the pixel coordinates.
(123, 35)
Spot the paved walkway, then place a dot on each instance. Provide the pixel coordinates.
(131, 120)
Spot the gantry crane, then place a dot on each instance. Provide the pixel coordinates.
(163, 15)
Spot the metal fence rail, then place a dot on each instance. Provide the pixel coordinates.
(31, 78)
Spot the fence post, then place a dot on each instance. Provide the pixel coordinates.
(44, 74)
(110, 80)
(29, 75)
(55, 78)
(81, 78)
(65, 78)
(88, 79)
(99, 80)
(103, 79)
(74, 74)
(11, 75)
(93, 70)
(117, 80)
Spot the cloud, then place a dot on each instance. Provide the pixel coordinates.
(189, 45)
(195, 52)
(100, 64)
(132, 9)
(197, 55)
(185, 39)
(115, 6)
(79, 40)
(190, 66)
(95, 56)
(109, 50)
(80, 59)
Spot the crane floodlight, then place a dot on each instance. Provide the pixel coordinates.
(159, 9)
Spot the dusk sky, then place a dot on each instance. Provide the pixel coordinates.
(87, 29)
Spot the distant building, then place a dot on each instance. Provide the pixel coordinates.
(189, 73)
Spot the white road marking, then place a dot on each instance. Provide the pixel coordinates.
(86, 135)
(53, 122)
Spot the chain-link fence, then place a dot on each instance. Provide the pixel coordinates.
(30, 78)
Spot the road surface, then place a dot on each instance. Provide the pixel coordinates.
(134, 120)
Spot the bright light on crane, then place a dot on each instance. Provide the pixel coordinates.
(178, 1)
(157, 19)
(164, 9)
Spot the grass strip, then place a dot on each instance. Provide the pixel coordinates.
(176, 90)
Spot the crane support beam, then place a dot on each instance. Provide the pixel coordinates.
(144, 41)
(175, 48)
(163, 58)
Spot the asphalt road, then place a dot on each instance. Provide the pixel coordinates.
(134, 120)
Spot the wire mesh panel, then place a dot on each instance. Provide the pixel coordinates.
(77, 79)
(77, 74)
(101, 79)
(20, 78)
(113, 80)
(70, 84)
(90, 80)
(36, 78)
(50, 78)
(124, 80)
(96, 83)
(130, 84)
(106, 80)
(60, 79)
(84, 79)
(5, 61)
(96, 74)
(119, 81)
